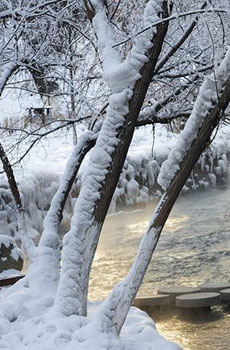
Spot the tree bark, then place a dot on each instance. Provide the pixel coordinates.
(7, 73)
(27, 242)
(11, 179)
(81, 241)
(120, 300)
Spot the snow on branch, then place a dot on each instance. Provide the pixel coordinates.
(50, 237)
(105, 163)
(48, 253)
(6, 74)
(175, 17)
(22, 233)
(119, 301)
(208, 95)
(120, 75)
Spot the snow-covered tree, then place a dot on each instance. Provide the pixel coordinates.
(139, 72)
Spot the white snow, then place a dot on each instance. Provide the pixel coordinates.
(43, 329)
(42, 170)
(15, 253)
(32, 317)
(208, 95)
(10, 273)
(6, 241)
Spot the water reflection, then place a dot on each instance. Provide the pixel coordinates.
(195, 242)
(194, 247)
(203, 331)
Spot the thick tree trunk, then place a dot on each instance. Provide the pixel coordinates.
(100, 182)
(47, 88)
(45, 85)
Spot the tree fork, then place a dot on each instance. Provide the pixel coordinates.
(82, 239)
(126, 133)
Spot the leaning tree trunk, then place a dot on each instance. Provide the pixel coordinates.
(107, 159)
(47, 264)
(194, 139)
(21, 234)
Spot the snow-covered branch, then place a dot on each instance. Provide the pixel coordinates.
(6, 73)
(209, 95)
(106, 161)
(49, 236)
(204, 118)
(48, 249)
(173, 17)
(174, 49)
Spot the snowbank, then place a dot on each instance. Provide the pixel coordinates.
(138, 181)
(139, 332)
(37, 190)
(46, 330)
(39, 178)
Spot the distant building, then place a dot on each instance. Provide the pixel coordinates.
(38, 115)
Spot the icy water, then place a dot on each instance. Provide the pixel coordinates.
(194, 247)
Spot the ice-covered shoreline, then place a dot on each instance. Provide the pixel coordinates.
(39, 177)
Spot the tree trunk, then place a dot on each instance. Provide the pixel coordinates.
(22, 234)
(100, 181)
(120, 300)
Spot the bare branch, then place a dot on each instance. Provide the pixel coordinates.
(180, 42)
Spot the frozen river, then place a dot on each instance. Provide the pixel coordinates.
(194, 247)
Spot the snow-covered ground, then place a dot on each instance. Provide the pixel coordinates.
(38, 180)
(53, 331)
(27, 328)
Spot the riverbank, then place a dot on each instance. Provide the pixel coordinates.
(194, 247)
(39, 174)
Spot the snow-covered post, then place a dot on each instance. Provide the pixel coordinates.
(129, 81)
(213, 98)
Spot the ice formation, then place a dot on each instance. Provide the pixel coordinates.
(208, 95)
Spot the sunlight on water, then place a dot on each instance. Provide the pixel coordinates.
(203, 331)
(194, 247)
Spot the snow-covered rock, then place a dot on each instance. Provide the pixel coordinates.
(11, 256)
